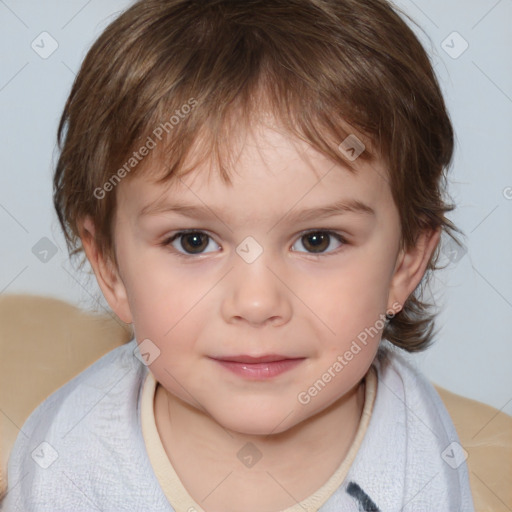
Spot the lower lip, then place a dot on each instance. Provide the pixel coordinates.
(260, 371)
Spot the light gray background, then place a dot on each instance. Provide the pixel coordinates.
(473, 351)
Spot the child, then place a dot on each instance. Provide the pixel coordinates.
(258, 187)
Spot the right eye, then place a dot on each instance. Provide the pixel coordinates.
(192, 242)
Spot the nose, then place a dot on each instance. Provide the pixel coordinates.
(256, 293)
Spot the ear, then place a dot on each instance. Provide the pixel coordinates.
(411, 266)
(107, 275)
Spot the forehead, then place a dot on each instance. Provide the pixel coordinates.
(271, 169)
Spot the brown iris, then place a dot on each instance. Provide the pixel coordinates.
(194, 242)
(316, 242)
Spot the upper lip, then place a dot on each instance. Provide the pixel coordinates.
(269, 358)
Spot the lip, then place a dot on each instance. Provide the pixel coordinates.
(267, 358)
(258, 368)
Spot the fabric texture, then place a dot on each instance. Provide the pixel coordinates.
(82, 448)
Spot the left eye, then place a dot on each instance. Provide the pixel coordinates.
(319, 241)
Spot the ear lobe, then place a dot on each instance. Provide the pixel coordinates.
(411, 266)
(106, 274)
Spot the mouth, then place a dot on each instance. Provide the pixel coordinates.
(258, 368)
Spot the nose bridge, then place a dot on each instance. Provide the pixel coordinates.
(255, 292)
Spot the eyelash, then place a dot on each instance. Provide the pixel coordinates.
(168, 241)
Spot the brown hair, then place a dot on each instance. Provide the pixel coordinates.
(173, 72)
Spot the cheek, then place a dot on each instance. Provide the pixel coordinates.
(163, 313)
(367, 285)
(159, 292)
(351, 299)
(170, 308)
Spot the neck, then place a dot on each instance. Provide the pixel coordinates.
(301, 458)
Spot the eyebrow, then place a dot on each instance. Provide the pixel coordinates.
(306, 214)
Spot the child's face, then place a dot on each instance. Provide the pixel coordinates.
(229, 300)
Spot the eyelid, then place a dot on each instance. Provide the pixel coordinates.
(321, 230)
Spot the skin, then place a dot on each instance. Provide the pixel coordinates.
(290, 300)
